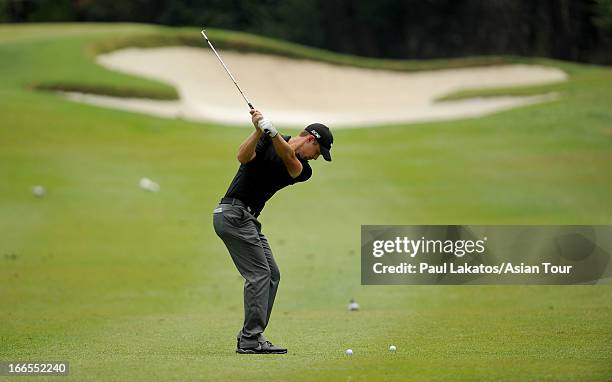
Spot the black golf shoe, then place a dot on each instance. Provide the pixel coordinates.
(262, 348)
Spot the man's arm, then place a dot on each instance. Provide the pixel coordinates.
(285, 151)
(287, 154)
(246, 152)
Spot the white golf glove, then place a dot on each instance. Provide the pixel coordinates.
(267, 127)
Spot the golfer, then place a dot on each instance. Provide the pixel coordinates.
(269, 162)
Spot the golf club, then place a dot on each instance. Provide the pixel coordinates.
(226, 69)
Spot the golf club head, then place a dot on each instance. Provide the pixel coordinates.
(204, 34)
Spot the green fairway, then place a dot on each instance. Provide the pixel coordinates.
(129, 285)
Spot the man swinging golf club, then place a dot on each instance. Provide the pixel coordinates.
(269, 162)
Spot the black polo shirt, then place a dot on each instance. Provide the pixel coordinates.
(256, 181)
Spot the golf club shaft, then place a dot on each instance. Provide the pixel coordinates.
(226, 69)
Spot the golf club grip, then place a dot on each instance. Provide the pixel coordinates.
(251, 106)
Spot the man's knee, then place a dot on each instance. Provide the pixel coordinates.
(275, 274)
(261, 276)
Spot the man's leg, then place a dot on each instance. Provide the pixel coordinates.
(274, 275)
(242, 241)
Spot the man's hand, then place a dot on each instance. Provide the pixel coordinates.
(246, 152)
(262, 124)
(268, 128)
(256, 116)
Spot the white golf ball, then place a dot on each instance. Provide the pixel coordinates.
(392, 348)
(148, 185)
(39, 191)
(349, 352)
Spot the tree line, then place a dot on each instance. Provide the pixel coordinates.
(576, 30)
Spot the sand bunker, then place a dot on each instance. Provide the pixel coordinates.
(298, 92)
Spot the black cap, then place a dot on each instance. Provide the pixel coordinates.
(323, 136)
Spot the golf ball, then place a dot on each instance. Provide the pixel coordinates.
(39, 191)
(349, 352)
(392, 348)
(148, 185)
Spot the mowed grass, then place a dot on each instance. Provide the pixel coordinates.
(128, 285)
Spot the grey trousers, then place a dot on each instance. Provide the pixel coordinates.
(251, 253)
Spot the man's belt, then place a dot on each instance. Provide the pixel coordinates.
(238, 202)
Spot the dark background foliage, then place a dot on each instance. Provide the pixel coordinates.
(577, 30)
